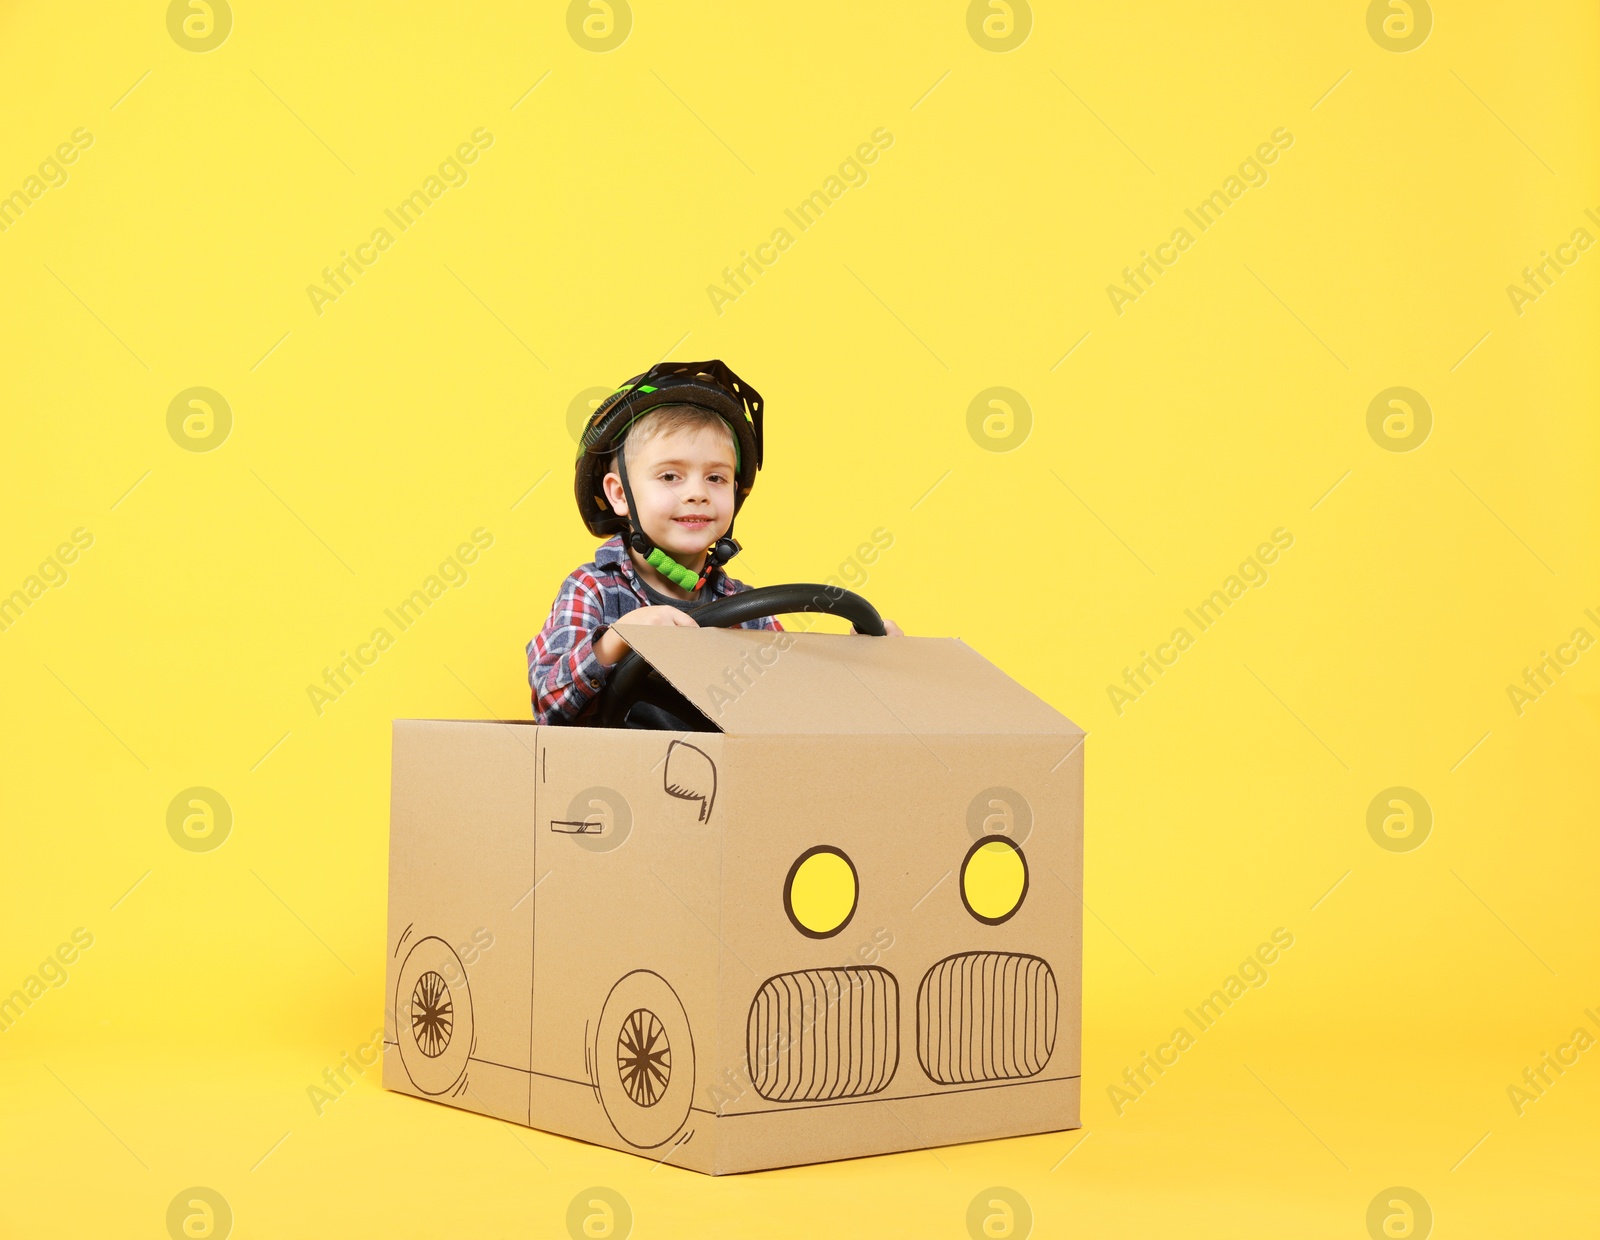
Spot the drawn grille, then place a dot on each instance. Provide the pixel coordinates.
(824, 1033)
(986, 1016)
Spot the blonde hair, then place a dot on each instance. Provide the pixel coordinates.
(664, 419)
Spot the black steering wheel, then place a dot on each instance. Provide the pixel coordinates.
(638, 696)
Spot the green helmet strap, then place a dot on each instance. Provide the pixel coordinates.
(671, 569)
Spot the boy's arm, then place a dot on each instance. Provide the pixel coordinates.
(564, 670)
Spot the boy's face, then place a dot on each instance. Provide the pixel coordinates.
(683, 485)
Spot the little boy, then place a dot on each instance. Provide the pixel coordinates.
(665, 464)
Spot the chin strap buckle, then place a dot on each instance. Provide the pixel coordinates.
(725, 549)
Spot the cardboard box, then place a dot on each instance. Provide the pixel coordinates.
(629, 937)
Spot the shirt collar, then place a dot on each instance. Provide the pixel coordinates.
(612, 552)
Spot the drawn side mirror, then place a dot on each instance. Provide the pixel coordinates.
(691, 776)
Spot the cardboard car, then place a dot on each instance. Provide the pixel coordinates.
(844, 921)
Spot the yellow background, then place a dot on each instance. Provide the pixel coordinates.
(1228, 401)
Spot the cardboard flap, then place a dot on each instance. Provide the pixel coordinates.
(751, 681)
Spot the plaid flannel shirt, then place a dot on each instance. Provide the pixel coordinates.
(563, 671)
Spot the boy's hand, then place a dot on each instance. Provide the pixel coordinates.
(609, 647)
(659, 615)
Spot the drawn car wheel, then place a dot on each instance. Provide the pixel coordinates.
(433, 1016)
(644, 1060)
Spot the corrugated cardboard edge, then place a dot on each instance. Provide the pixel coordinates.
(757, 682)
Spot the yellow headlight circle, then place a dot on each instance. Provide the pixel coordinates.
(820, 893)
(994, 879)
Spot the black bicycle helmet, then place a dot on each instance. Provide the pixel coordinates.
(707, 385)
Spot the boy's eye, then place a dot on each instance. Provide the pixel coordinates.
(672, 475)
